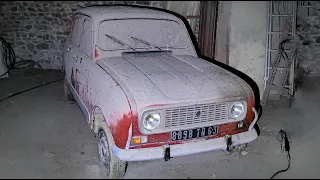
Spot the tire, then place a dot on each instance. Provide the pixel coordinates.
(115, 168)
(67, 93)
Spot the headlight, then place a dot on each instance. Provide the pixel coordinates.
(237, 110)
(151, 121)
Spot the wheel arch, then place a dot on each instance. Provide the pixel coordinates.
(96, 119)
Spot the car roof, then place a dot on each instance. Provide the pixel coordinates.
(100, 13)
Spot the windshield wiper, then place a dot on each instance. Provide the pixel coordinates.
(120, 42)
(146, 43)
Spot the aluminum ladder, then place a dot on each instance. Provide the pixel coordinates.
(280, 64)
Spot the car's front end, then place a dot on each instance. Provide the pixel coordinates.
(183, 105)
(167, 131)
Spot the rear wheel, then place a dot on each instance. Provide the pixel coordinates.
(115, 168)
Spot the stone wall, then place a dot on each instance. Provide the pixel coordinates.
(38, 30)
(308, 30)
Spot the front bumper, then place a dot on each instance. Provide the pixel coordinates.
(187, 148)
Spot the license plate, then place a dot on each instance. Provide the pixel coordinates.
(194, 133)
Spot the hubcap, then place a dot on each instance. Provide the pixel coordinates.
(103, 149)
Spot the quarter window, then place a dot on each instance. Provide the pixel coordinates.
(86, 43)
(77, 30)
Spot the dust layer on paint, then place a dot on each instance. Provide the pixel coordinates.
(83, 92)
(224, 129)
(152, 105)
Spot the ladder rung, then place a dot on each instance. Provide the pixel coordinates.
(286, 50)
(306, 6)
(281, 15)
(277, 68)
(278, 32)
(285, 91)
(275, 87)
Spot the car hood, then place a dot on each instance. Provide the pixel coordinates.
(165, 79)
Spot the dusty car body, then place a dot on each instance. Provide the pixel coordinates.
(136, 76)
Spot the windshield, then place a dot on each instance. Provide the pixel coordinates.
(141, 34)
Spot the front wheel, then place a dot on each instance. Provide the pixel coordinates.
(115, 168)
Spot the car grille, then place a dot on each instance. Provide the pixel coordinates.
(196, 114)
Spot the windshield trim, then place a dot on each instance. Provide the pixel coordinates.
(137, 48)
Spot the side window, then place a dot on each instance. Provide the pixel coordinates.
(77, 31)
(87, 44)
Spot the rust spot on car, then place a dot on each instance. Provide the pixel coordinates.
(96, 55)
(72, 78)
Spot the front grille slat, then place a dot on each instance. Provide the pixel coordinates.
(189, 115)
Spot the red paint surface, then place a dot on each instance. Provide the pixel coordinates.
(165, 138)
(135, 127)
(250, 113)
(121, 130)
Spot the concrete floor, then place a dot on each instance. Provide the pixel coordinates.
(41, 136)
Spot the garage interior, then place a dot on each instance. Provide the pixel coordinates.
(42, 136)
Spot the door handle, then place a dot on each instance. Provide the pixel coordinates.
(68, 49)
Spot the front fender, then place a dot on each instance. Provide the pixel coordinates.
(112, 102)
(117, 113)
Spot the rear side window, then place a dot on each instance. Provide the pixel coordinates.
(77, 30)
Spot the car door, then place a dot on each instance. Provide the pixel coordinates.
(72, 52)
(85, 62)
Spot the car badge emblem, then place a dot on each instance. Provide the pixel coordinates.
(198, 114)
